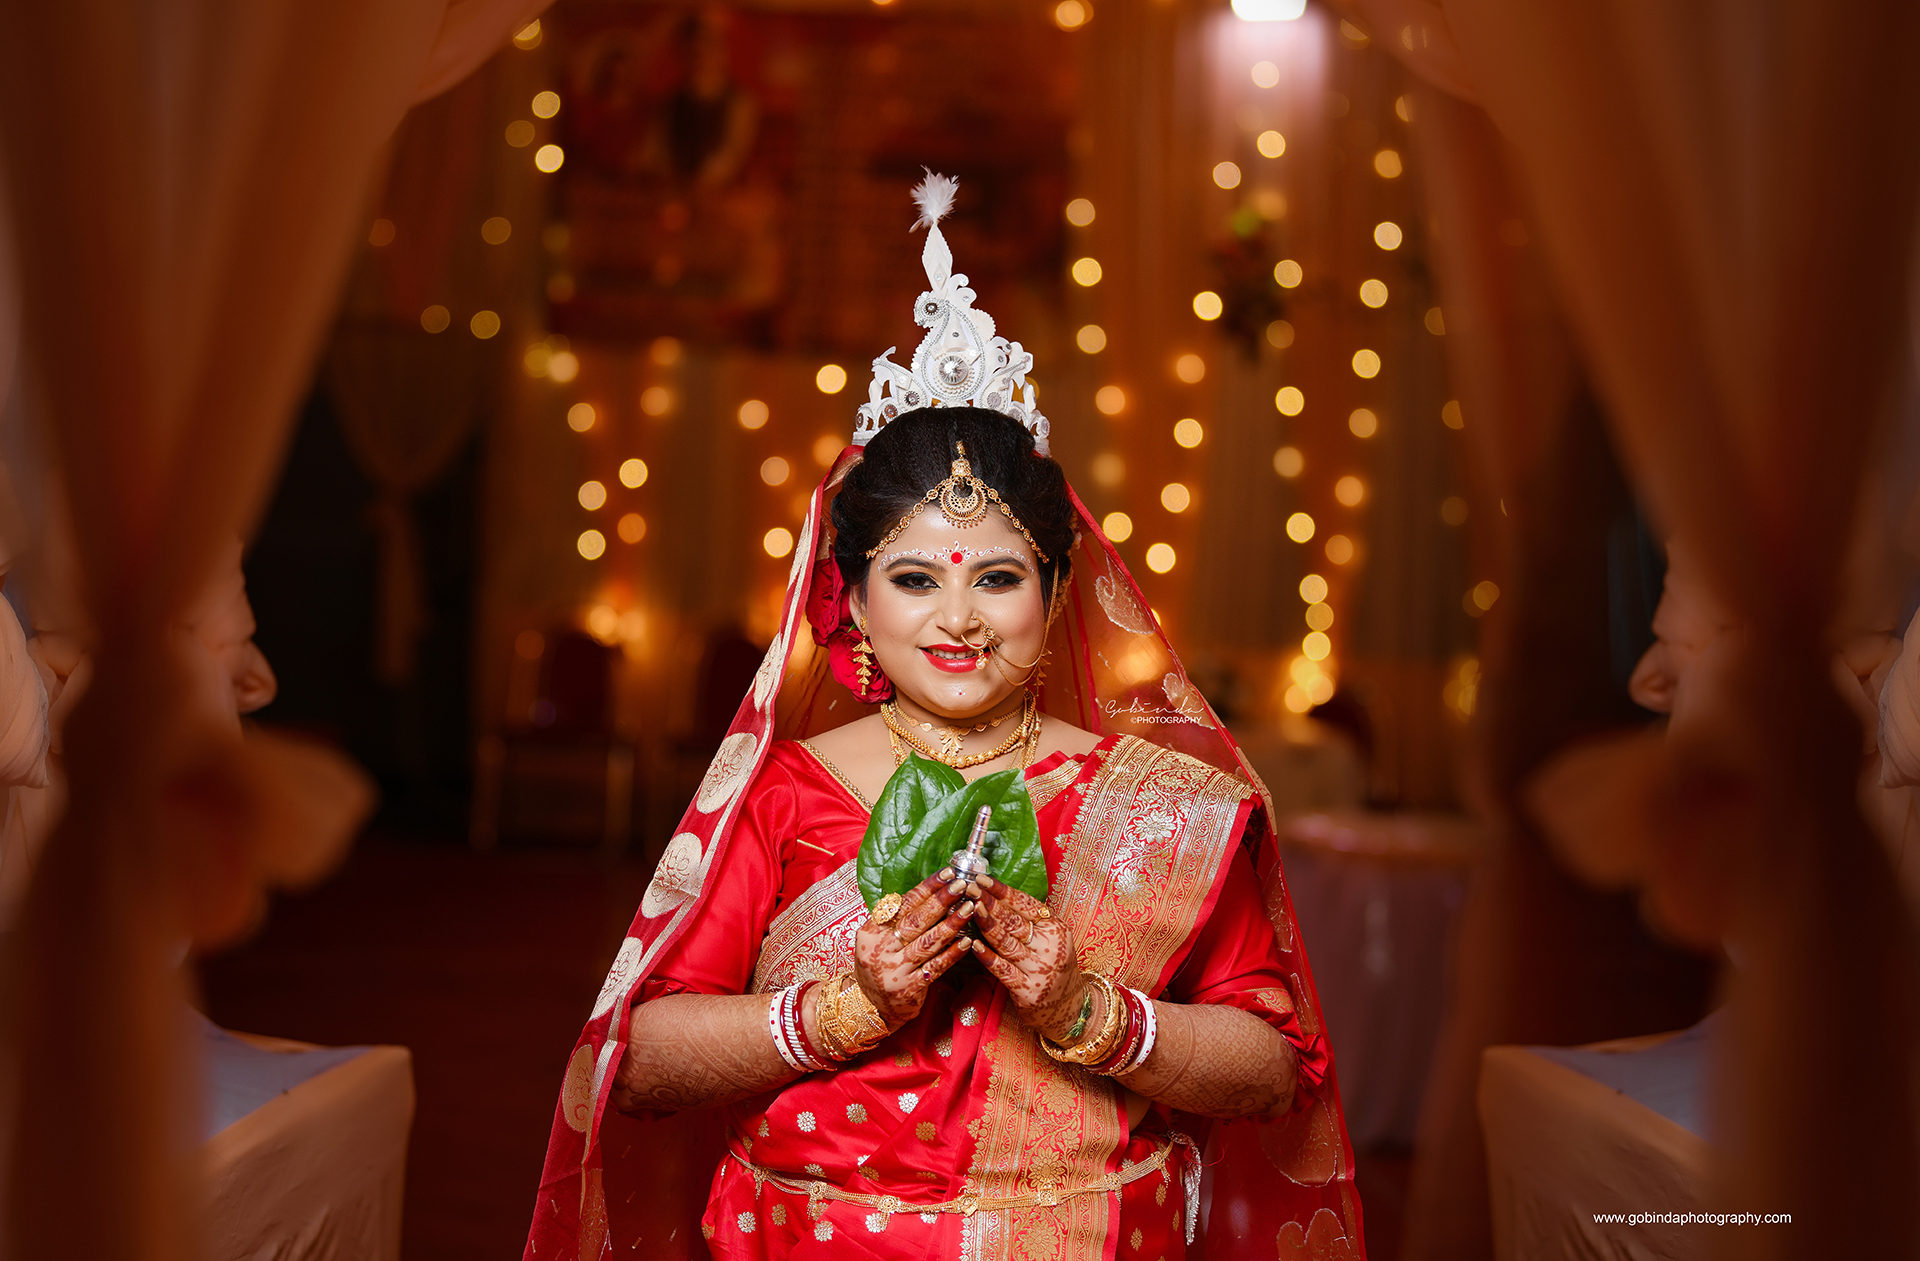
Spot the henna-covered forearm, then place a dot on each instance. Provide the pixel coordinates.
(702, 1050)
(698, 1051)
(1216, 1061)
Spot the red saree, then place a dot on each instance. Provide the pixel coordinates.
(1161, 861)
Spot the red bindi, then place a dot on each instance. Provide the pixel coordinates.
(957, 558)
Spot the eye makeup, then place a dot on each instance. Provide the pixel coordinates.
(957, 554)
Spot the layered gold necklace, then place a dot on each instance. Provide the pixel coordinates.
(951, 737)
(948, 750)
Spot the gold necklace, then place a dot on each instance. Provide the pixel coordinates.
(950, 737)
(897, 731)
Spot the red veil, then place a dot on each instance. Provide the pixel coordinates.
(615, 1184)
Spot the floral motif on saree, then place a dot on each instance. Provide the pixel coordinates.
(1135, 871)
(961, 1099)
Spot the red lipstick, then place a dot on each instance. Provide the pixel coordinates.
(951, 664)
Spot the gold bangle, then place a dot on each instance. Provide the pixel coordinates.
(1102, 1044)
(863, 1021)
(828, 992)
(849, 1024)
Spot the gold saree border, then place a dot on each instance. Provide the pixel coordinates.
(813, 938)
(1135, 871)
(1146, 849)
(1044, 788)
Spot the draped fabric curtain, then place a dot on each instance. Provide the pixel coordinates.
(1726, 196)
(406, 400)
(1541, 957)
(185, 177)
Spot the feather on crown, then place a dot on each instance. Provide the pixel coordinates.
(961, 362)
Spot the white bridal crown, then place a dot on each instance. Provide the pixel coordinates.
(960, 362)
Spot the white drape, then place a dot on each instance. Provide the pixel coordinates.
(185, 179)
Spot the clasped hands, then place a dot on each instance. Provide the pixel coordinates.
(1024, 947)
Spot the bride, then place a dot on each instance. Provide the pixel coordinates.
(965, 1070)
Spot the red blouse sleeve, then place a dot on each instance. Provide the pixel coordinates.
(1236, 962)
(717, 952)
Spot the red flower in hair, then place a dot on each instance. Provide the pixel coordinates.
(826, 600)
(827, 614)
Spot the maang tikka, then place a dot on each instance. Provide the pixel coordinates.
(963, 500)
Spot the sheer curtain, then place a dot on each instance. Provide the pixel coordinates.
(1726, 194)
(185, 179)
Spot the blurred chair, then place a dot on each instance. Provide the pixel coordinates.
(304, 1148)
(1609, 1128)
(1378, 897)
(728, 660)
(558, 771)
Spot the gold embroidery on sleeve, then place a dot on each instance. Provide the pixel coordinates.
(813, 937)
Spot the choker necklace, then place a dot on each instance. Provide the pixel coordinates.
(1026, 734)
(950, 737)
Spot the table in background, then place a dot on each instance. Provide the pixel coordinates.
(1377, 896)
(1615, 1127)
(305, 1148)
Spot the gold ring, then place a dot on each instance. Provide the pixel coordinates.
(1045, 912)
(887, 909)
(900, 937)
(1028, 939)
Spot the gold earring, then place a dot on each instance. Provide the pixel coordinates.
(863, 657)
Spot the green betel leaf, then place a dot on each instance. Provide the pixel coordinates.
(915, 831)
(913, 790)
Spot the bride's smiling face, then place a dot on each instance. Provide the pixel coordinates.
(933, 590)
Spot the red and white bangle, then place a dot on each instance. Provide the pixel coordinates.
(789, 1031)
(1152, 1032)
(1136, 1045)
(777, 1031)
(809, 1050)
